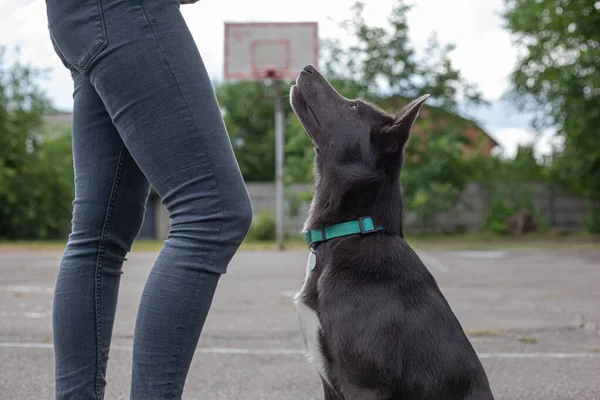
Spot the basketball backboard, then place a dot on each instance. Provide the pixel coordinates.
(259, 50)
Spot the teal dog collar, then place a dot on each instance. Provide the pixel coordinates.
(362, 225)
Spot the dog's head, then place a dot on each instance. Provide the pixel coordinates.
(355, 142)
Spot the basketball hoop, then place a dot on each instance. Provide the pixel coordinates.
(275, 50)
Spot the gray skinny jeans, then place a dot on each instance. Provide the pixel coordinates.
(144, 113)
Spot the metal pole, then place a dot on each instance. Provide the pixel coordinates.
(279, 145)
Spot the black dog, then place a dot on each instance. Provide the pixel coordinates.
(374, 320)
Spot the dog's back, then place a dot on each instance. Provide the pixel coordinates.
(387, 330)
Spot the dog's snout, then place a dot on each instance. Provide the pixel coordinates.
(309, 68)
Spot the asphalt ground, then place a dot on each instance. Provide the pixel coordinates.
(532, 316)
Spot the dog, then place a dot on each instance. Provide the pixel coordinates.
(374, 321)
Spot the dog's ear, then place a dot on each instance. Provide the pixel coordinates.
(395, 136)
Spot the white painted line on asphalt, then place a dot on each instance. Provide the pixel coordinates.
(279, 352)
(26, 289)
(208, 350)
(482, 254)
(432, 262)
(26, 345)
(285, 352)
(20, 314)
(538, 355)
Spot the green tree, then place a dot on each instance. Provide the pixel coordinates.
(43, 191)
(248, 109)
(36, 173)
(249, 116)
(299, 153)
(22, 108)
(435, 171)
(383, 67)
(557, 77)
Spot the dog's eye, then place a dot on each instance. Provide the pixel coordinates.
(354, 106)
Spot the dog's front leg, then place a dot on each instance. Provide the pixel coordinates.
(330, 394)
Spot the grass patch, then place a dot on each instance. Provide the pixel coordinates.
(490, 241)
(142, 245)
(528, 340)
(33, 245)
(467, 241)
(486, 332)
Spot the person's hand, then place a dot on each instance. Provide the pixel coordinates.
(188, 1)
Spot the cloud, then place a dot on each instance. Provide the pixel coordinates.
(484, 53)
(499, 114)
(26, 27)
(543, 143)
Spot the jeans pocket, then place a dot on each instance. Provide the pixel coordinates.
(77, 30)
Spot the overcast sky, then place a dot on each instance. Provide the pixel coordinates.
(484, 51)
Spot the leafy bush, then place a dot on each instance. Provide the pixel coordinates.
(592, 221)
(509, 188)
(497, 213)
(36, 202)
(263, 227)
(294, 204)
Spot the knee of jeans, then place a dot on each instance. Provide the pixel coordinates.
(113, 233)
(217, 217)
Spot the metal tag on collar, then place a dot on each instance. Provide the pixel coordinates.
(312, 261)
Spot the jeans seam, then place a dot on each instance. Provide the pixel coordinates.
(196, 283)
(103, 235)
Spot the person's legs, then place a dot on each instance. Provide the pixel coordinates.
(145, 66)
(110, 199)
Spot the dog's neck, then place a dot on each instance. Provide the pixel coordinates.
(332, 205)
